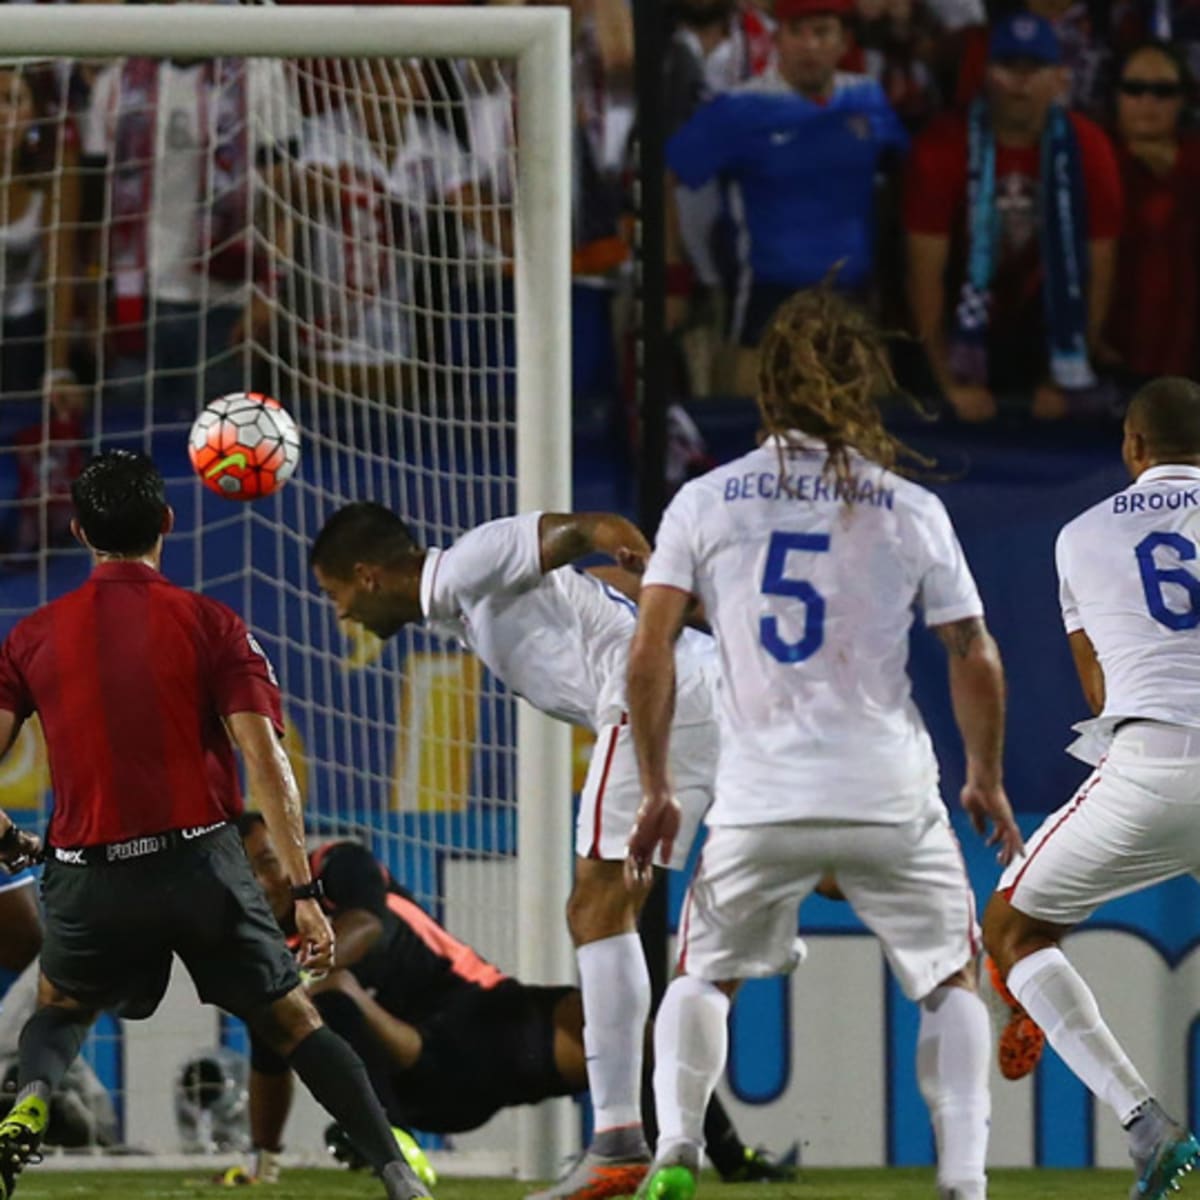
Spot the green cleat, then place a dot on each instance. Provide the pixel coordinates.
(673, 1176)
(669, 1183)
(20, 1136)
(415, 1156)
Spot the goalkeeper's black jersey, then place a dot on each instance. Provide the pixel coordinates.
(417, 968)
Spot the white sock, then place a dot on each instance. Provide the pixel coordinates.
(954, 1046)
(1054, 994)
(691, 1041)
(616, 1006)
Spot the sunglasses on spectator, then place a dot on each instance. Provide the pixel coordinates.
(1150, 87)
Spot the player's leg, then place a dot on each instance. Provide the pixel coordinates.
(1131, 825)
(909, 886)
(739, 922)
(49, 1044)
(241, 963)
(88, 961)
(570, 1058)
(614, 979)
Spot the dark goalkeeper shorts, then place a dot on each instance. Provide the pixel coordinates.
(112, 929)
(487, 1050)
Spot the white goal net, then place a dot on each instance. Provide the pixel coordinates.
(363, 213)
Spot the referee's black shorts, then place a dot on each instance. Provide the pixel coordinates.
(111, 930)
(488, 1049)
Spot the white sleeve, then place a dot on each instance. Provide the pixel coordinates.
(323, 144)
(450, 168)
(946, 590)
(1066, 597)
(501, 556)
(673, 562)
(274, 103)
(95, 132)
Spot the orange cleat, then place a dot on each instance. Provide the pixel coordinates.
(1021, 1041)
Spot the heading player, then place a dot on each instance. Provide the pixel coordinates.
(1130, 594)
(143, 690)
(560, 639)
(809, 556)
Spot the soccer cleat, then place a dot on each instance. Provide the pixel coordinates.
(596, 1177)
(759, 1166)
(338, 1143)
(415, 1156)
(1170, 1153)
(673, 1176)
(1021, 1041)
(20, 1136)
(401, 1182)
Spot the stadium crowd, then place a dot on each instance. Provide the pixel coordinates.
(1016, 185)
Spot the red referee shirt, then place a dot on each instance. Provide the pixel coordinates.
(131, 676)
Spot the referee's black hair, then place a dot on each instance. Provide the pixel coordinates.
(1166, 412)
(120, 502)
(363, 532)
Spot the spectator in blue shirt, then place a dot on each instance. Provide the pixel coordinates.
(801, 146)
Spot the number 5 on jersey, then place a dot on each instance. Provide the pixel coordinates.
(776, 582)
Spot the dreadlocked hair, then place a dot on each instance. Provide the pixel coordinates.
(823, 371)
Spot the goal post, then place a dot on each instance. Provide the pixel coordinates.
(535, 43)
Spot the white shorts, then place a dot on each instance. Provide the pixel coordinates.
(612, 792)
(907, 883)
(1135, 822)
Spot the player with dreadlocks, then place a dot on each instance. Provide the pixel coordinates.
(809, 555)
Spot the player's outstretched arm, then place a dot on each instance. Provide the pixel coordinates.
(651, 698)
(271, 781)
(977, 693)
(565, 537)
(1091, 674)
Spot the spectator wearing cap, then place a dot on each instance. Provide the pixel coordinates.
(1012, 211)
(801, 146)
(1156, 304)
(1085, 30)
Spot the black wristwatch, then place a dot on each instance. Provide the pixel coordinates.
(312, 890)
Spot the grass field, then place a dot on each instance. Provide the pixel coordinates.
(812, 1185)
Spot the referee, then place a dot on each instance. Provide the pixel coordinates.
(143, 688)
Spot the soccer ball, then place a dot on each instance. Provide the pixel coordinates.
(244, 446)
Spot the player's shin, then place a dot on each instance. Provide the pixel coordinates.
(691, 1040)
(339, 1083)
(616, 1006)
(1055, 995)
(341, 1014)
(954, 1047)
(49, 1044)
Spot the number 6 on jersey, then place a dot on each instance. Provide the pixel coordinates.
(775, 582)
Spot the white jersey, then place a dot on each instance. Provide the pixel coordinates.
(811, 600)
(560, 640)
(1129, 577)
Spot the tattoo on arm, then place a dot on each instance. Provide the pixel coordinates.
(959, 636)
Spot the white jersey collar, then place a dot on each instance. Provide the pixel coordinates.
(795, 440)
(1168, 471)
(429, 570)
